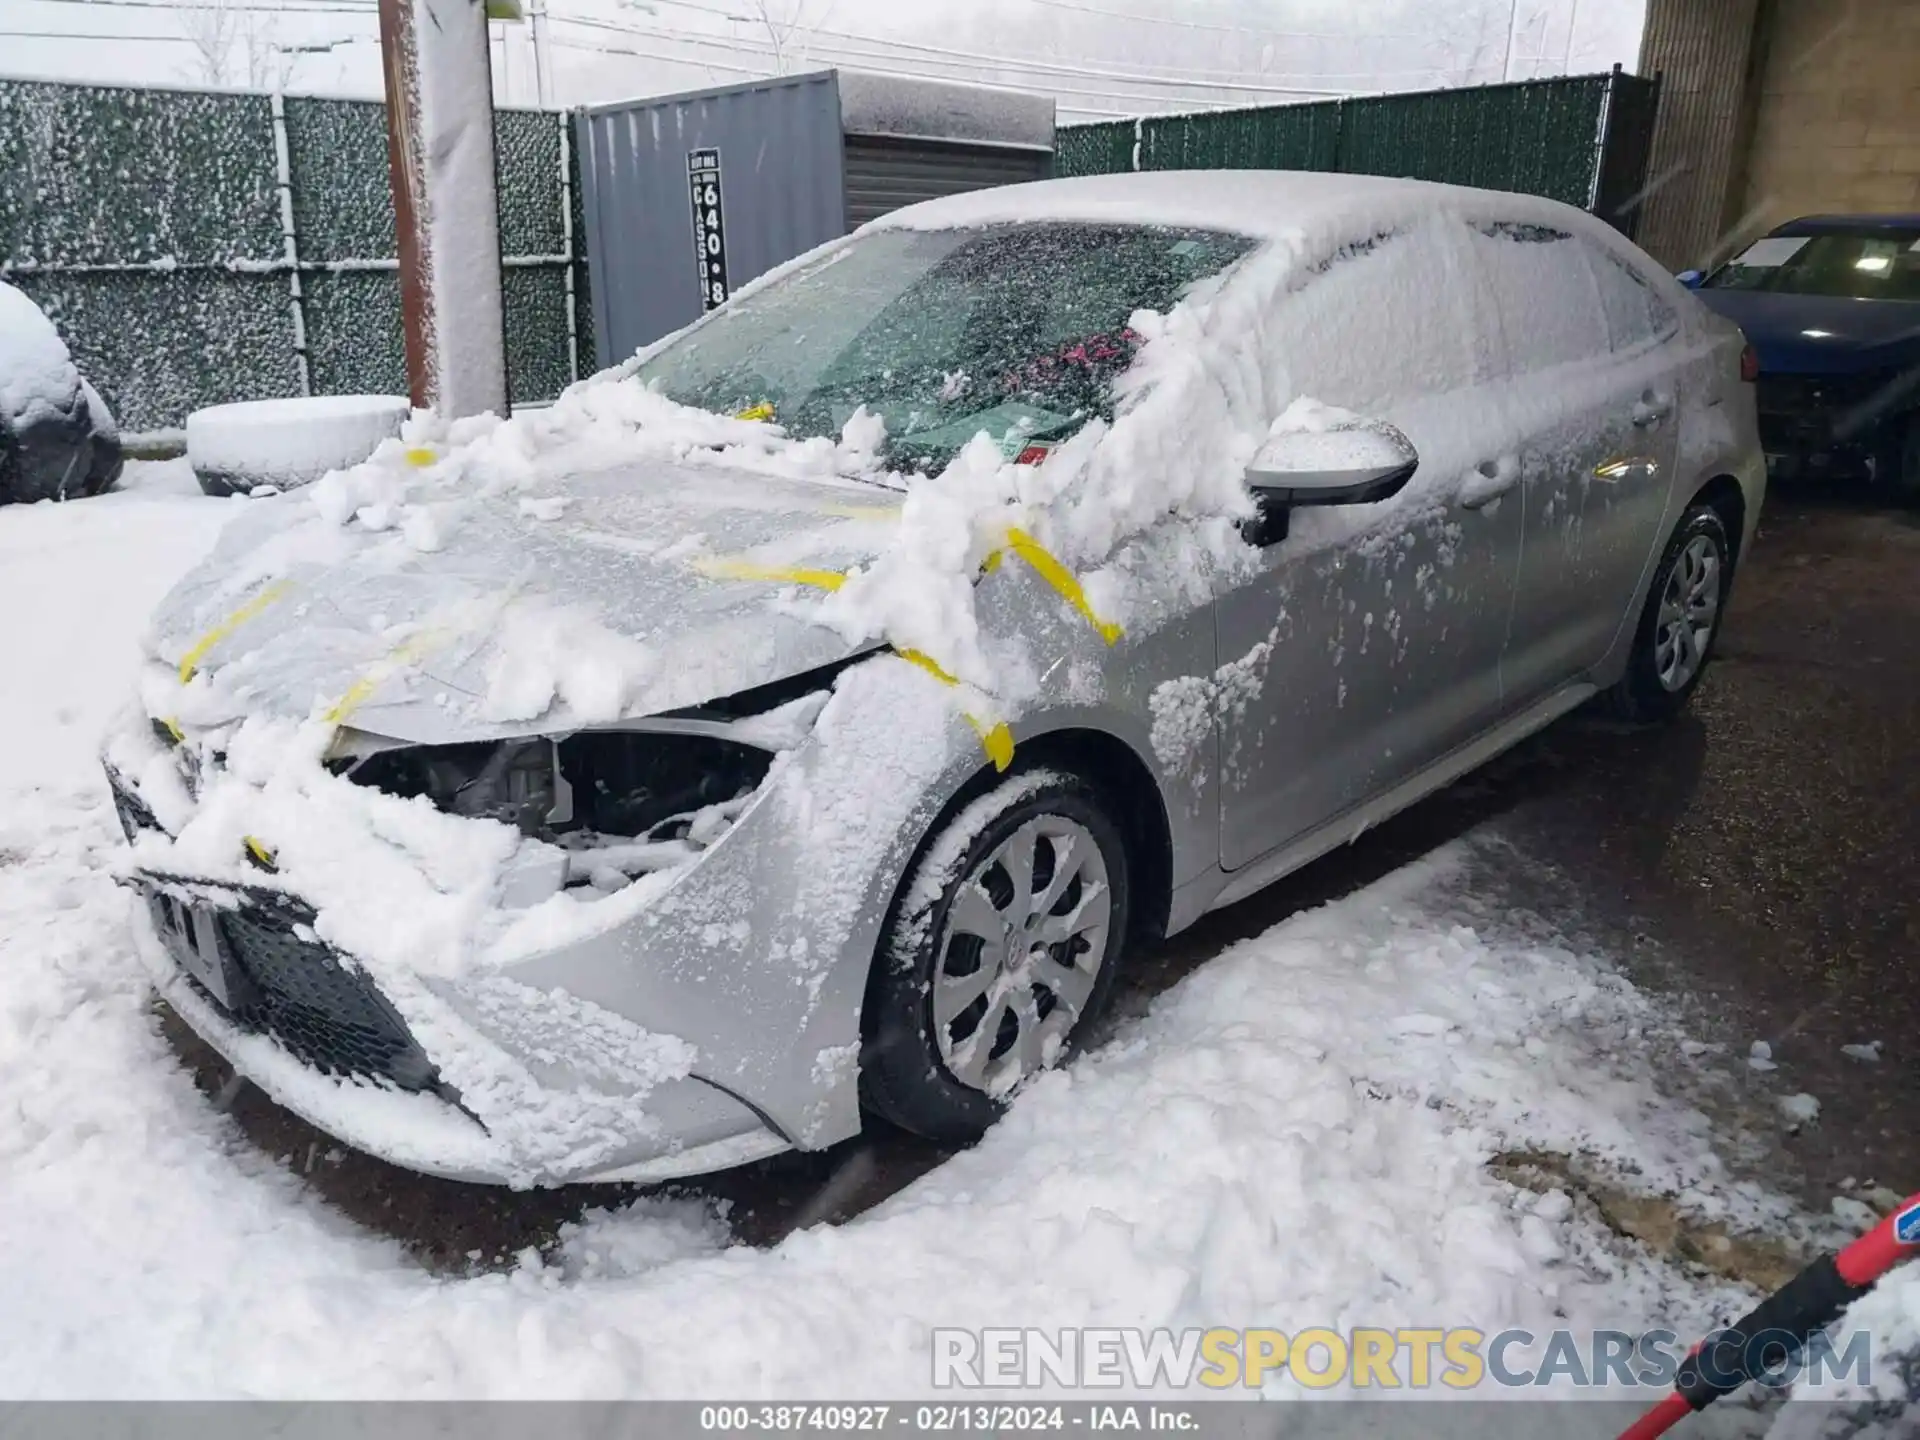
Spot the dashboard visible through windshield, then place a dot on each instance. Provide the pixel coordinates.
(1015, 330)
(1867, 264)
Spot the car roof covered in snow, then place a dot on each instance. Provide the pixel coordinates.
(1266, 204)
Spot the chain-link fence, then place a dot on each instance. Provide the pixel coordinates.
(149, 225)
(1582, 139)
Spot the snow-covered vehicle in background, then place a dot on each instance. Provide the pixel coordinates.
(816, 711)
(58, 439)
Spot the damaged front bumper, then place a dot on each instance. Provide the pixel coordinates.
(245, 971)
(693, 1020)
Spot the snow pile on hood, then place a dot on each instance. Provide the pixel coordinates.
(36, 372)
(608, 419)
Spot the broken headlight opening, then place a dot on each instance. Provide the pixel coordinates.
(619, 802)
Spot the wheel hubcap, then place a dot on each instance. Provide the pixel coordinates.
(1024, 940)
(1689, 611)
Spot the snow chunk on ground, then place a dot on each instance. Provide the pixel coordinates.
(1802, 1109)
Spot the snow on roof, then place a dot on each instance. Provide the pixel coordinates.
(1266, 204)
(941, 110)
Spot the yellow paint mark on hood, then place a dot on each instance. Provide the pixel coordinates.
(190, 661)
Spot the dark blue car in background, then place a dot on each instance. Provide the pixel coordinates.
(1831, 305)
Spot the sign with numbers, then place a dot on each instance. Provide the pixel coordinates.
(709, 229)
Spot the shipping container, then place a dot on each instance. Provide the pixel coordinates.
(688, 197)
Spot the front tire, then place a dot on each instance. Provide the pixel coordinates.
(1674, 640)
(999, 955)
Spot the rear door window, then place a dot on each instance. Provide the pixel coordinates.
(1636, 315)
(1549, 302)
(1384, 320)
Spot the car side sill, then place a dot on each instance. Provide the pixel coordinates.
(1350, 826)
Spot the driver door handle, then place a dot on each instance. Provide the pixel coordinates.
(1651, 408)
(1488, 481)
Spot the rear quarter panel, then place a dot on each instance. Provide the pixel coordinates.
(1718, 436)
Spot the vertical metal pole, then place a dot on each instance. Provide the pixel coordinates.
(405, 171)
(566, 230)
(440, 158)
(290, 241)
(1600, 137)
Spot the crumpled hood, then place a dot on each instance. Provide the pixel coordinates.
(634, 590)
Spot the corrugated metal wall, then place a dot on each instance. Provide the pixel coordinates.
(781, 186)
(884, 173)
(1703, 52)
(1542, 137)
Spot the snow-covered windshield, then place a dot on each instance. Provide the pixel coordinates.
(1876, 264)
(1017, 330)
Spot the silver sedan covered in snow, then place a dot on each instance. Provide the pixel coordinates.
(812, 714)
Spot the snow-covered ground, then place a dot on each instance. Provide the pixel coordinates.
(1295, 1135)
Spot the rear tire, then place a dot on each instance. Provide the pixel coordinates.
(999, 955)
(1673, 642)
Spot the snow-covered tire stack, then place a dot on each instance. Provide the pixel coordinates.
(280, 444)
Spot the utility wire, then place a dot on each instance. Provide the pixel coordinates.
(864, 59)
(764, 71)
(1107, 13)
(1215, 79)
(89, 35)
(290, 7)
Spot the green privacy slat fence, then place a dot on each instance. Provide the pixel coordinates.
(147, 224)
(1582, 139)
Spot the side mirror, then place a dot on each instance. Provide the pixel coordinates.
(1692, 279)
(1351, 462)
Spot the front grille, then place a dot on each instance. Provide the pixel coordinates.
(1812, 412)
(133, 812)
(304, 994)
(329, 1015)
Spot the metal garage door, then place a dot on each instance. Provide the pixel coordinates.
(884, 173)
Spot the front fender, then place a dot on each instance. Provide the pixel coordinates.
(759, 956)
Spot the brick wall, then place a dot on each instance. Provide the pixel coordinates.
(1836, 122)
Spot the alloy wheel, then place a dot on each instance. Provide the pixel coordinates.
(1023, 943)
(1689, 613)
